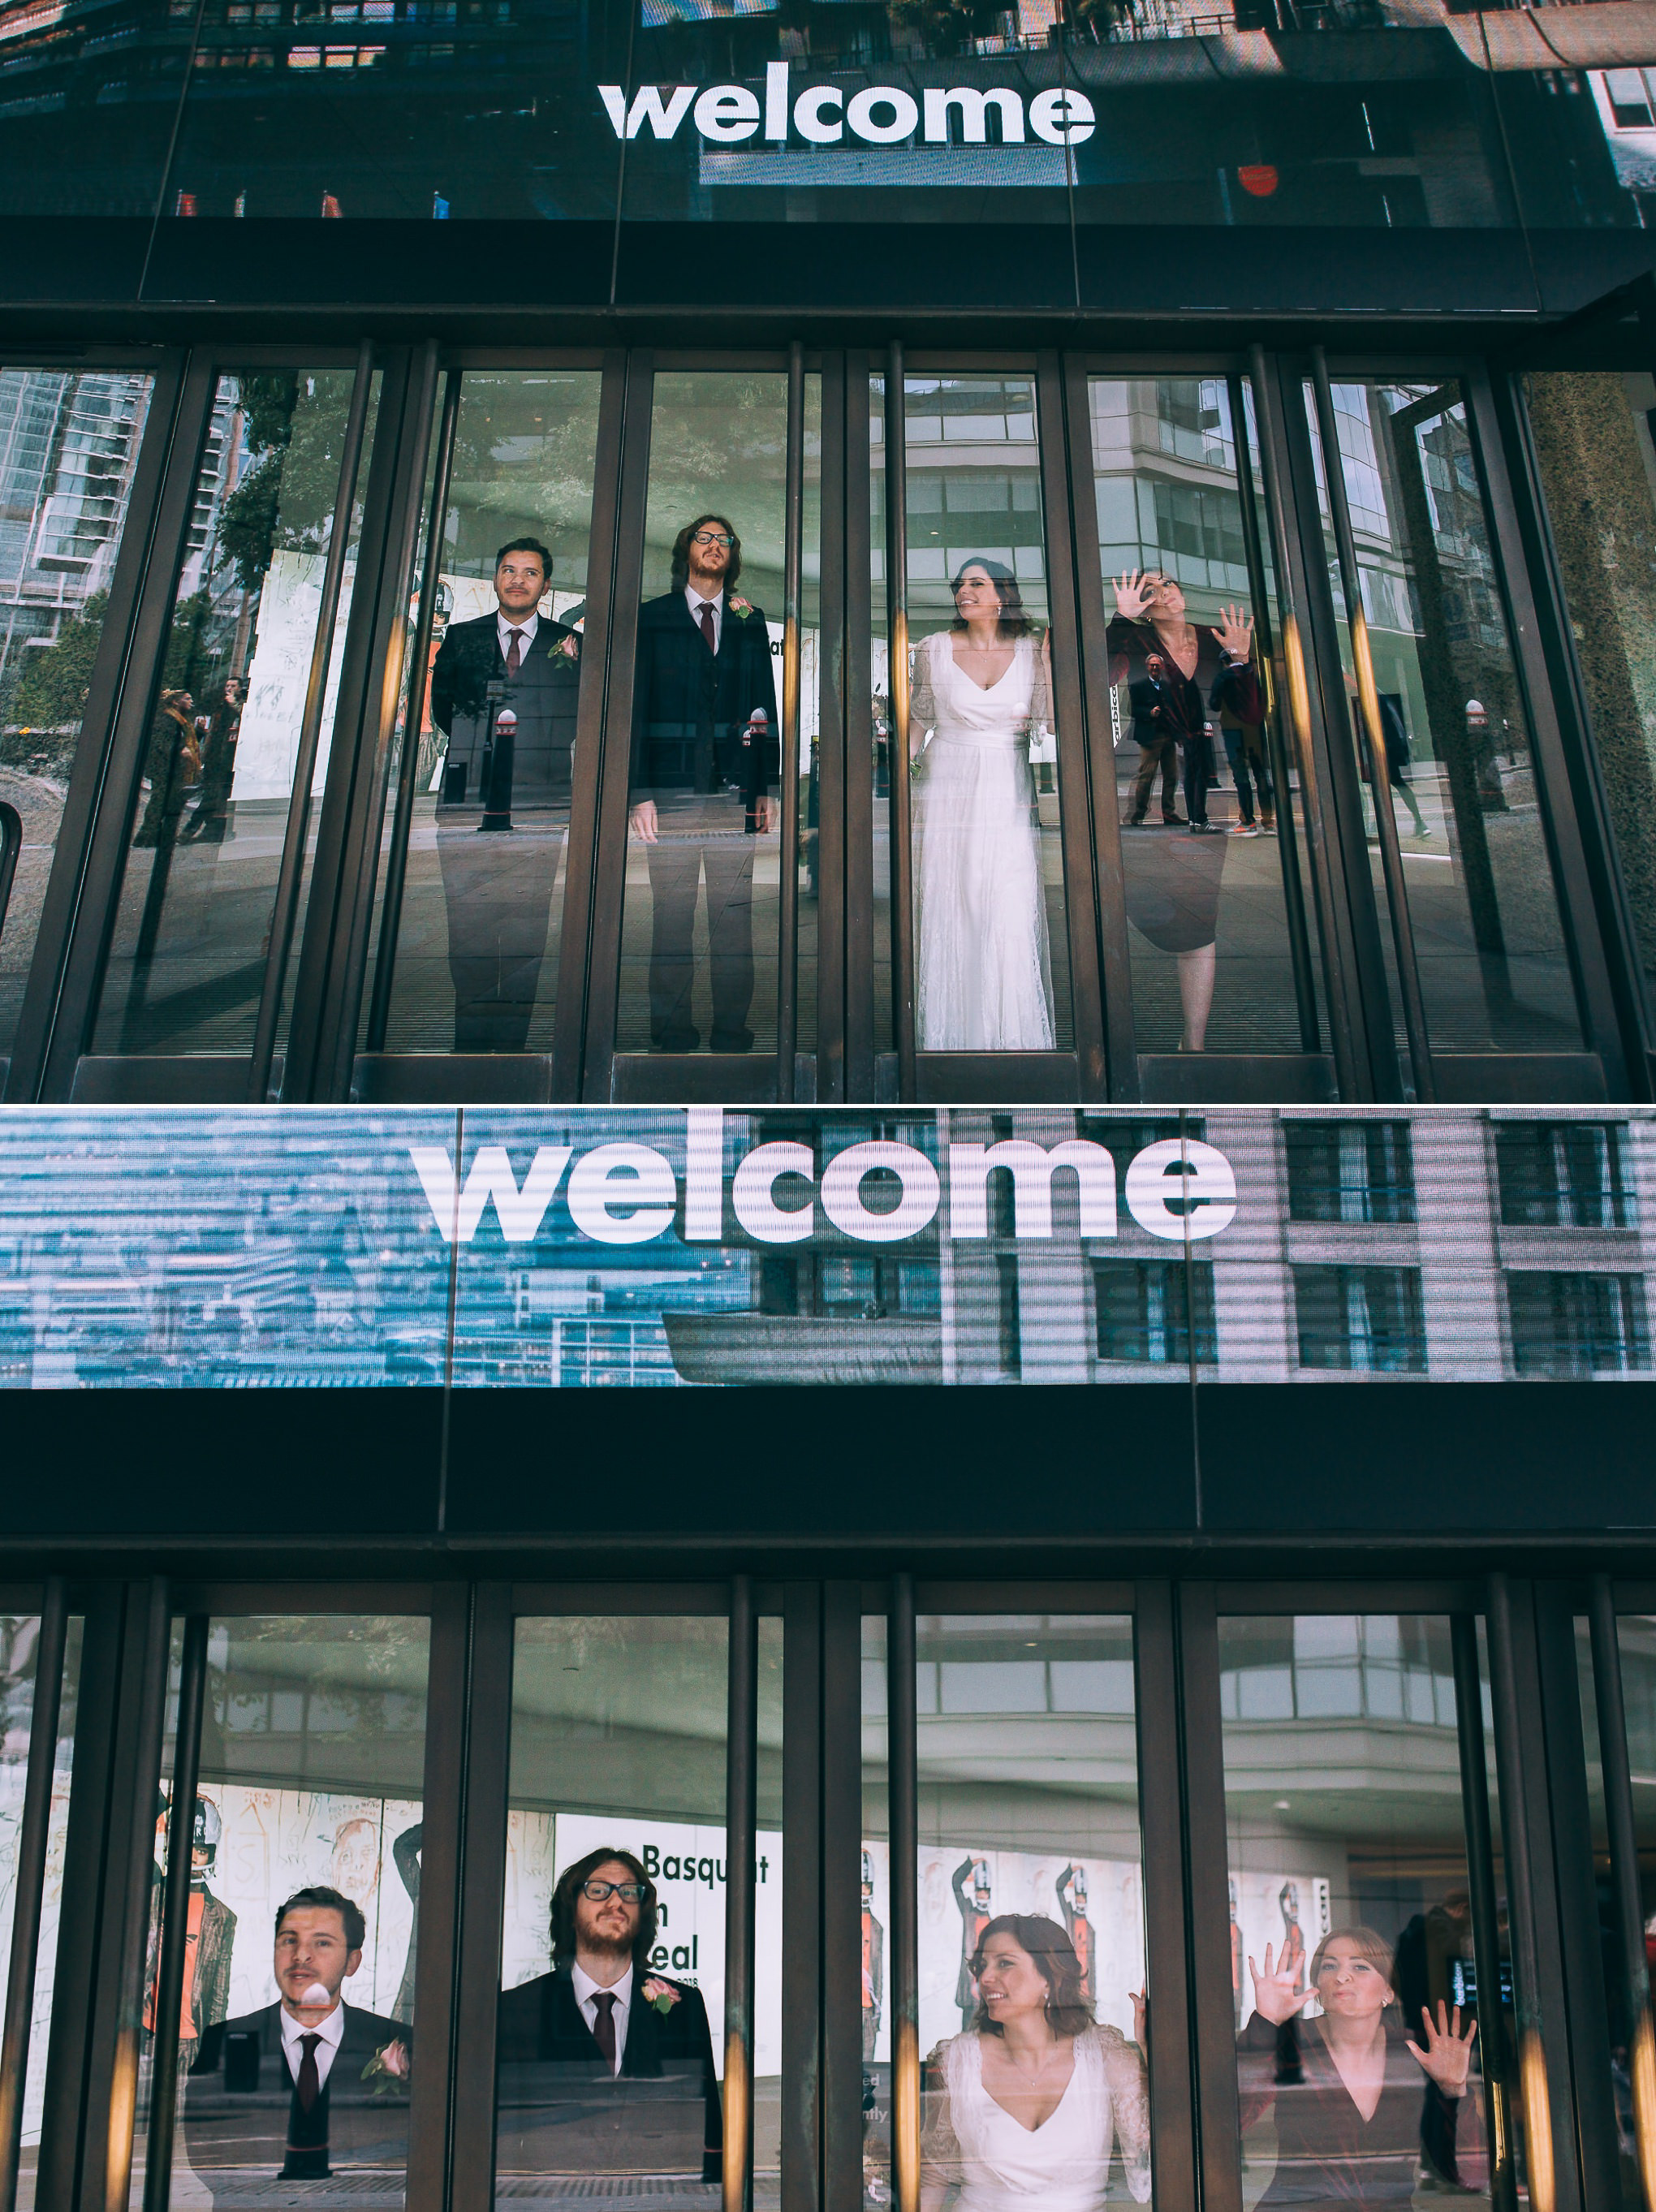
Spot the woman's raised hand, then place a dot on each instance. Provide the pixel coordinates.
(1235, 633)
(1447, 2056)
(1275, 1998)
(1140, 1999)
(1132, 595)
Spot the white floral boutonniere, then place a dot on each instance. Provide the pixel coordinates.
(655, 1991)
(741, 608)
(388, 2069)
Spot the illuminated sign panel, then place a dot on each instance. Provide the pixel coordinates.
(537, 1247)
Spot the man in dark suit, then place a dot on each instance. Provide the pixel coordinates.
(308, 2085)
(704, 755)
(606, 2067)
(504, 690)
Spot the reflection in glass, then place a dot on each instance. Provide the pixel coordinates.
(991, 964)
(698, 961)
(1360, 2021)
(304, 1915)
(1460, 772)
(1212, 964)
(194, 928)
(611, 2015)
(68, 448)
(1032, 1936)
(1597, 467)
(480, 922)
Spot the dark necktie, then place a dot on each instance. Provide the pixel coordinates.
(514, 653)
(707, 628)
(604, 2026)
(310, 2084)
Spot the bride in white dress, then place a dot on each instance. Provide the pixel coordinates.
(1024, 2110)
(983, 971)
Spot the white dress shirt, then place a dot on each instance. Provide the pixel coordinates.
(524, 630)
(585, 1989)
(694, 600)
(331, 2030)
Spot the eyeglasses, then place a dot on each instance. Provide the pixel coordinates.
(712, 538)
(633, 1891)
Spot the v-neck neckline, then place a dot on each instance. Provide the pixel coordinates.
(985, 689)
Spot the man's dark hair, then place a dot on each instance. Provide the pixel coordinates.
(1054, 1957)
(323, 1898)
(568, 1888)
(681, 551)
(527, 545)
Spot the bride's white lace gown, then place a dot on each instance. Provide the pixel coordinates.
(982, 969)
(971, 2143)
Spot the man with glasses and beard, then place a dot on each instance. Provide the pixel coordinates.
(605, 2066)
(704, 755)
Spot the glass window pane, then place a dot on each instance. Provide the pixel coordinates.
(1032, 1924)
(1463, 783)
(481, 919)
(1212, 962)
(310, 1798)
(699, 930)
(618, 1779)
(1597, 460)
(193, 926)
(1350, 1912)
(874, 1891)
(991, 968)
(69, 446)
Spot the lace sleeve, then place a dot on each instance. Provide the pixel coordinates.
(1130, 2108)
(1040, 699)
(922, 702)
(940, 2163)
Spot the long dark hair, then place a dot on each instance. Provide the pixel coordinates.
(1014, 622)
(681, 551)
(568, 1888)
(1067, 2010)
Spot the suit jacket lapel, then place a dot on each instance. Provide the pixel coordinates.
(643, 2056)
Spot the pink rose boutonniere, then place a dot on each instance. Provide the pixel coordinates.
(567, 648)
(388, 2069)
(741, 608)
(656, 1992)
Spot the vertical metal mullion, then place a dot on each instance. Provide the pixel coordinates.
(430, 2117)
(742, 1821)
(1167, 1991)
(900, 810)
(1070, 718)
(801, 1900)
(1092, 624)
(573, 965)
(290, 874)
(1359, 997)
(842, 1933)
(1597, 2146)
(1372, 736)
(367, 761)
(787, 907)
(475, 1890)
(1288, 830)
(831, 740)
(608, 879)
(175, 1917)
(1202, 1747)
(112, 2078)
(903, 1765)
(1633, 1960)
(859, 729)
(314, 1027)
(1494, 2057)
(1543, 2071)
(391, 912)
(84, 922)
(1588, 947)
(29, 1879)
